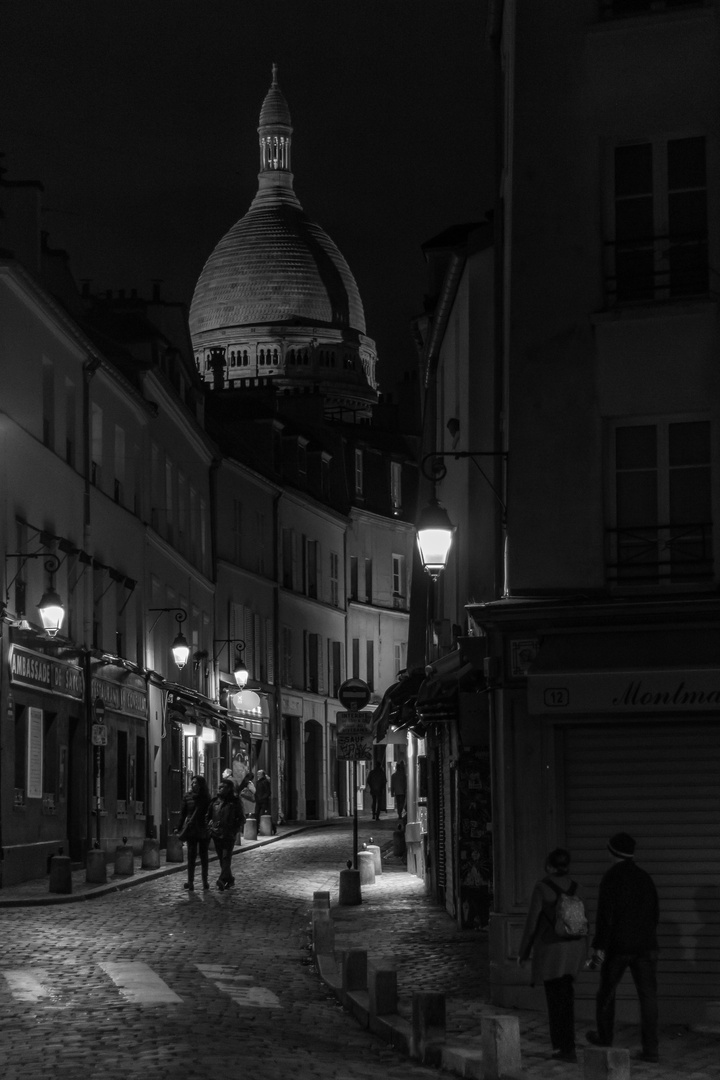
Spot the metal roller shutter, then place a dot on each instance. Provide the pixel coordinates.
(660, 782)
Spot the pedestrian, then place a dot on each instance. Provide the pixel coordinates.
(626, 937)
(398, 788)
(556, 958)
(193, 830)
(377, 782)
(246, 792)
(262, 794)
(224, 818)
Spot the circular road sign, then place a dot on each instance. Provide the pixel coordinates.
(354, 694)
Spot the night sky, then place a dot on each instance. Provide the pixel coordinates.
(139, 117)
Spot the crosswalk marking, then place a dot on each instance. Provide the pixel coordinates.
(233, 983)
(25, 986)
(138, 982)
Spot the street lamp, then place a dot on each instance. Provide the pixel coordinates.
(179, 648)
(434, 536)
(50, 605)
(240, 672)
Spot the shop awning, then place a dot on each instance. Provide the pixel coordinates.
(397, 707)
(461, 669)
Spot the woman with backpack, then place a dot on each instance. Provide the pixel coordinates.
(556, 936)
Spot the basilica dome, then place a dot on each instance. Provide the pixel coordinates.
(276, 299)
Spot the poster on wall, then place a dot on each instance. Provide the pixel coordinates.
(475, 838)
(35, 754)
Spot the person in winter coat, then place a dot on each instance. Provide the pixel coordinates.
(192, 816)
(224, 818)
(377, 782)
(262, 794)
(398, 788)
(626, 937)
(555, 960)
(246, 792)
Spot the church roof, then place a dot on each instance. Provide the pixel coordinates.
(275, 265)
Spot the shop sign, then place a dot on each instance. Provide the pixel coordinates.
(40, 672)
(99, 734)
(354, 736)
(561, 693)
(125, 697)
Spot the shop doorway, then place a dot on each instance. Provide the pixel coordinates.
(312, 734)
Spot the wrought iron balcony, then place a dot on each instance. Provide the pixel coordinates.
(660, 554)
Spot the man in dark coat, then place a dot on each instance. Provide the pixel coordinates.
(626, 937)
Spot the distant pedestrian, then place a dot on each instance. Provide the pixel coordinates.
(377, 782)
(224, 818)
(262, 794)
(246, 792)
(193, 830)
(398, 788)
(626, 937)
(556, 958)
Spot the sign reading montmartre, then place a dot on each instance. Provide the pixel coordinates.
(697, 689)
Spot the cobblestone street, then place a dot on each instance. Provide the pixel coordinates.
(235, 966)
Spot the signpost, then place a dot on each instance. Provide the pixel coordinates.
(354, 738)
(99, 738)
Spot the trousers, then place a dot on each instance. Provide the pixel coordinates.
(197, 847)
(560, 997)
(643, 968)
(224, 849)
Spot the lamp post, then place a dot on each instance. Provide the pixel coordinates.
(50, 605)
(179, 648)
(240, 672)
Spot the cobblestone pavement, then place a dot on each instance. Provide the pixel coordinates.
(156, 982)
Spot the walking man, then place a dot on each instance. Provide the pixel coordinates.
(377, 782)
(626, 937)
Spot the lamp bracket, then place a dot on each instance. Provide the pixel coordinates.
(433, 468)
(180, 615)
(52, 563)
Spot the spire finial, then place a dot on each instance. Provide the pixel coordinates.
(274, 74)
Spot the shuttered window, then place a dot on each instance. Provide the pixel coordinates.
(661, 783)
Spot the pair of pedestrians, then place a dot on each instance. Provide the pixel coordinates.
(203, 819)
(625, 937)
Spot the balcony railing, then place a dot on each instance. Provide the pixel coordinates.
(658, 268)
(619, 9)
(660, 554)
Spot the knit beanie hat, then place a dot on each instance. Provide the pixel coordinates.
(622, 846)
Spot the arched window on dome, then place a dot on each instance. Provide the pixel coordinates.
(245, 358)
(275, 356)
(232, 359)
(261, 356)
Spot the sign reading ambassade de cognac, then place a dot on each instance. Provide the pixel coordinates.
(697, 690)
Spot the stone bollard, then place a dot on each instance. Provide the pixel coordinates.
(250, 829)
(366, 867)
(151, 854)
(605, 1063)
(374, 850)
(321, 900)
(428, 1025)
(174, 849)
(265, 826)
(500, 1045)
(382, 990)
(354, 970)
(60, 874)
(323, 932)
(95, 867)
(350, 892)
(124, 860)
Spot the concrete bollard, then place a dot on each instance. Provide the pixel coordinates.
(151, 854)
(354, 969)
(605, 1063)
(323, 932)
(60, 874)
(366, 867)
(374, 850)
(124, 860)
(321, 899)
(349, 892)
(95, 867)
(382, 990)
(250, 829)
(500, 1037)
(428, 1024)
(174, 850)
(265, 826)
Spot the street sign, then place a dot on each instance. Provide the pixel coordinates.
(99, 709)
(354, 694)
(354, 736)
(99, 734)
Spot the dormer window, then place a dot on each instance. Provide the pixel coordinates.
(358, 472)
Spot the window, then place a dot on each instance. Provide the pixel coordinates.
(396, 486)
(96, 443)
(48, 403)
(312, 568)
(660, 220)
(353, 577)
(663, 504)
(334, 579)
(237, 531)
(612, 9)
(368, 581)
(70, 433)
(286, 658)
(356, 658)
(169, 497)
(398, 576)
(358, 472)
(398, 661)
(334, 666)
(312, 663)
(370, 665)
(288, 546)
(119, 463)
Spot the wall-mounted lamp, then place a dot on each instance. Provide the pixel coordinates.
(50, 605)
(240, 672)
(179, 648)
(434, 536)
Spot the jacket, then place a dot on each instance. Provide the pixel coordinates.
(627, 911)
(225, 817)
(191, 803)
(552, 956)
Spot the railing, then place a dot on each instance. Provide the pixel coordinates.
(660, 554)
(658, 268)
(618, 9)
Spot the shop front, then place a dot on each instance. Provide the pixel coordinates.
(44, 762)
(195, 732)
(605, 721)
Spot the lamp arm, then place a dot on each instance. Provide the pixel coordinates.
(52, 563)
(181, 615)
(434, 468)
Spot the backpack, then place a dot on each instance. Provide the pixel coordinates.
(570, 919)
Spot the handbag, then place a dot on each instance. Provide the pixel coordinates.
(182, 833)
